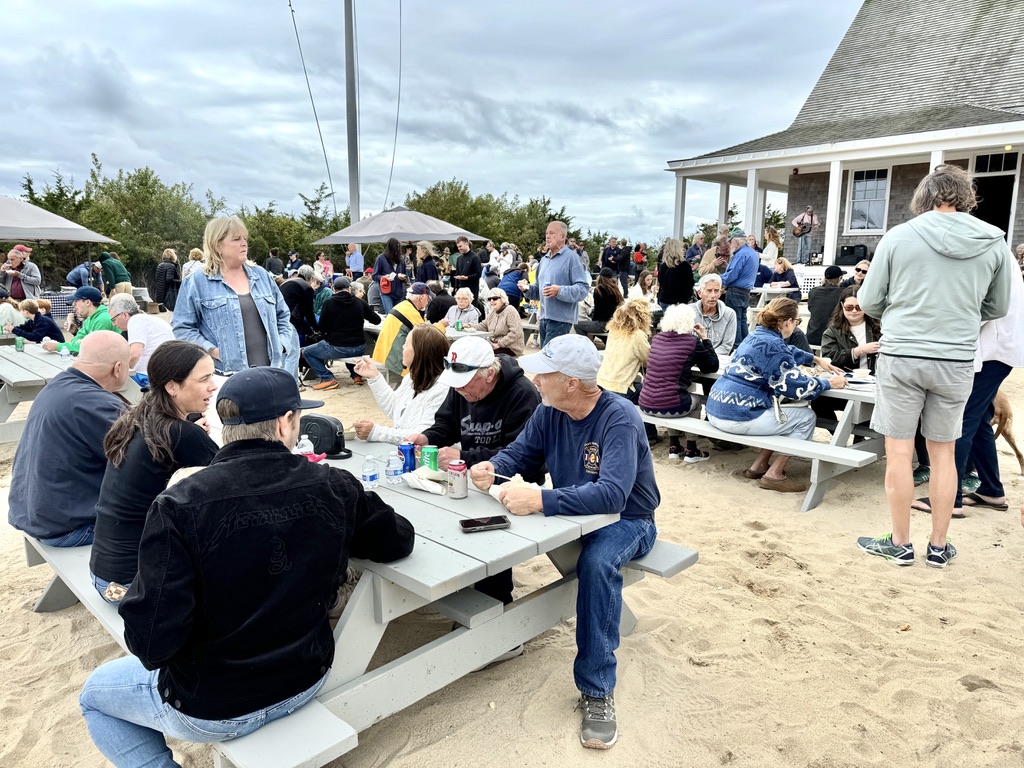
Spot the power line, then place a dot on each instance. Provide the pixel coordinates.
(398, 109)
(313, 103)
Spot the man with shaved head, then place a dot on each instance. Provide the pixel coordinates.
(59, 464)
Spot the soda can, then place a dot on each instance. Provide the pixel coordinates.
(19, 344)
(408, 451)
(428, 456)
(458, 325)
(458, 479)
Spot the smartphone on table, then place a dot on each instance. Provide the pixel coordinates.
(474, 524)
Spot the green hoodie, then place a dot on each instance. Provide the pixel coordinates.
(933, 280)
(97, 321)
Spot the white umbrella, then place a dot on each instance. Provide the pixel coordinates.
(397, 222)
(23, 221)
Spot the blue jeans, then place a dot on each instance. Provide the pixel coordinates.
(318, 354)
(739, 300)
(387, 301)
(550, 329)
(803, 249)
(101, 587)
(599, 600)
(977, 442)
(80, 537)
(128, 721)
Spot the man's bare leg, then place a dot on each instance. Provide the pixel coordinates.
(899, 486)
(941, 488)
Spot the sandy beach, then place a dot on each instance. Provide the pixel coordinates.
(784, 646)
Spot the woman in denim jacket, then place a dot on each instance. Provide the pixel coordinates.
(233, 310)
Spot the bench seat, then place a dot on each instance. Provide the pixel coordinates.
(665, 559)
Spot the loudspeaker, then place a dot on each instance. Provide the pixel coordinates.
(846, 256)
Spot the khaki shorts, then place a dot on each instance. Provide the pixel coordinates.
(122, 288)
(932, 391)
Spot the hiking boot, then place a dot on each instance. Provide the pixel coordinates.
(695, 456)
(883, 547)
(971, 483)
(940, 557)
(323, 386)
(599, 730)
(922, 475)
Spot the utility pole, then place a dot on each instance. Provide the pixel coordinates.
(351, 111)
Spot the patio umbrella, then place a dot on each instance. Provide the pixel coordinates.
(397, 222)
(23, 221)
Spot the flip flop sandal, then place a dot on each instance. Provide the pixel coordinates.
(925, 500)
(980, 503)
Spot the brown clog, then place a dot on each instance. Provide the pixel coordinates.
(752, 475)
(786, 485)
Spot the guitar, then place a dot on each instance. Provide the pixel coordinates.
(799, 230)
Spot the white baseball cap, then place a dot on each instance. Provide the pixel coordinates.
(465, 357)
(572, 354)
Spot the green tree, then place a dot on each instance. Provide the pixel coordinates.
(773, 217)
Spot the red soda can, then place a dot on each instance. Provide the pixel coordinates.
(458, 479)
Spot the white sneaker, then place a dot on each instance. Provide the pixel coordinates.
(515, 652)
(675, 453)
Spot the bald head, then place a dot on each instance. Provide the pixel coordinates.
(103, 355)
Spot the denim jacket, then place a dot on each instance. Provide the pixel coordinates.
(207, 314)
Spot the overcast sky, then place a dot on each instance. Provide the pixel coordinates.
(584, 102)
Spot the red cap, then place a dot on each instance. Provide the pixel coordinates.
(22, 248)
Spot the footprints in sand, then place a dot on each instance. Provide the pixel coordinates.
(756, 525)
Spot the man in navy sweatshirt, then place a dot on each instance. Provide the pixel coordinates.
(600, 463)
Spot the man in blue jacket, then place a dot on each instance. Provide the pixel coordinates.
(600, 463)
(738, 279)
(562, 283)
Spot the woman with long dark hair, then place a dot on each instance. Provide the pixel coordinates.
(413, 406)
(391, 265)
(851, 339)
(607, 297)
(146, 445)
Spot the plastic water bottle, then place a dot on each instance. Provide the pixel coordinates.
(65, 353)
(304, 446)
(394, 469)
(371, 474)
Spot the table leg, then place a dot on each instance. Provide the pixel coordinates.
(564, 559)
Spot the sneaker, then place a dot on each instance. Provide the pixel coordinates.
(883, 547)
(695, 456)
(358, 381)
(323, 386)
(922, 475)
(514, 653)
(940, 557)
(673, 452)
(971, 483)
(599, 730)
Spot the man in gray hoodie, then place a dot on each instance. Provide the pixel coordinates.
(932, 282)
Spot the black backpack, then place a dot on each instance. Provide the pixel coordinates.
(327, 435)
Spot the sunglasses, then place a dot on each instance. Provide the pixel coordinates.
(459, 367)
(494, 298)
(860, 271)
(852, 308)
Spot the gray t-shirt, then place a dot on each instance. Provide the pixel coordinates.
(255, 334)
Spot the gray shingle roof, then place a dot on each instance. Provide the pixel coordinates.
(907, 66)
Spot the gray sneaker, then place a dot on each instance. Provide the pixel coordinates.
(940, 557)
(883, 547)
(599, 730)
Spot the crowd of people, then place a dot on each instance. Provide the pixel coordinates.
(939, 346)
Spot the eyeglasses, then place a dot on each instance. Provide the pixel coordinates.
(460, 367)
(852, 308)
(860, 271)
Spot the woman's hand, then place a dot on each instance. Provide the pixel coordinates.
(366, 368)
(868, 348)
(826, 365)
(363, 429)
(7, 328)
(837, 381)
(699, 330)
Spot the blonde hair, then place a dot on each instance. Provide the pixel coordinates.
(169, 255)
(771, 234)
(784, 262)
(44, 305)
(427, 247)
(196, 254)
(217, 231)
(631, 316)
(777, 312)
(946, 185)
(29, 305)
(673, 252)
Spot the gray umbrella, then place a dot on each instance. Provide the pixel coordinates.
(397, 222)
(23, 221)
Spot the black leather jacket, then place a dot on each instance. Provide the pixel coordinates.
(238, 567)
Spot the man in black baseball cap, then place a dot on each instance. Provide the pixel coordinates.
(239, 566)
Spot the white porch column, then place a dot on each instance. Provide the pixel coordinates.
(680, 219)
(759, 229)
(938, 158)
(723, 203)
(832, 215)
(751, 214)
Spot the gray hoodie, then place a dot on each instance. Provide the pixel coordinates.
(933, 280)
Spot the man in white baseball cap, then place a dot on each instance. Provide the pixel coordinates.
(600, 463)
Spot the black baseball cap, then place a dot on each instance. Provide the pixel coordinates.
(262, 394)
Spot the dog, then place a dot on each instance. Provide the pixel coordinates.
(1003, 422)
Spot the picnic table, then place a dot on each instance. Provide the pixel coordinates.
(23, 376)
(453, 334)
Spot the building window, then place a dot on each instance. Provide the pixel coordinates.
(1000, 163)
(869, 191)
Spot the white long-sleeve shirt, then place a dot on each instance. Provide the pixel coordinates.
(410, 413)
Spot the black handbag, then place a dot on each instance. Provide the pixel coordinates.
(327, 435)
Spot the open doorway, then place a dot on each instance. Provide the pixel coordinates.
(995, 194)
